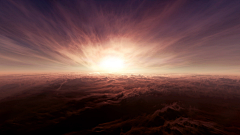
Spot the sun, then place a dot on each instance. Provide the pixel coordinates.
(111, 64)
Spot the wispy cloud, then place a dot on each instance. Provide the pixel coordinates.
(146, 34)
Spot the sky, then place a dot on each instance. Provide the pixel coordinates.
(151, 36)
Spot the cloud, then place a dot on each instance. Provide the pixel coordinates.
(168, 120)
(145, 34)
(84, 104)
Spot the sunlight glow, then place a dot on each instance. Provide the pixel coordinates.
(111, 64)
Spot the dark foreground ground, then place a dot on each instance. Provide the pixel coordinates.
(124, 104)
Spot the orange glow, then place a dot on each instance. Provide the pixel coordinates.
(110, 64)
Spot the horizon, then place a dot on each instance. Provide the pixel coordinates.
(120, 67)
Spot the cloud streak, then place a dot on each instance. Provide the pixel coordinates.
(172, 36)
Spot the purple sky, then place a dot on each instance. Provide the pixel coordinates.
(154, 36)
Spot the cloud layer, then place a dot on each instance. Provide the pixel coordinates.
(119, 104)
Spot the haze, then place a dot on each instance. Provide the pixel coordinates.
(175, 36)
(120, 67)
